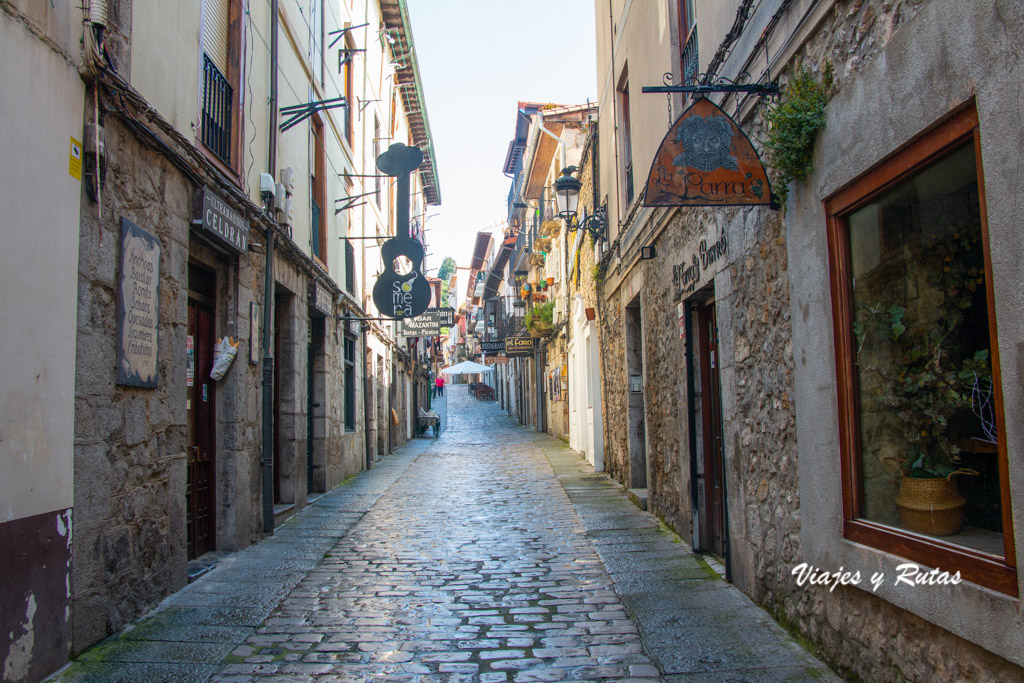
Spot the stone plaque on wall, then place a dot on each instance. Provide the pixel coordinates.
(138, 307)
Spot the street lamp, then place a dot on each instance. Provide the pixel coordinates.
(567, 198)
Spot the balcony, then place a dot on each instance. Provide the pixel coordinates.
(218, 96)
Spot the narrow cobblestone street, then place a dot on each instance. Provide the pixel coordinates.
(490, 554)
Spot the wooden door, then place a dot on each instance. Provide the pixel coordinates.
(200, 489)
(711, 412)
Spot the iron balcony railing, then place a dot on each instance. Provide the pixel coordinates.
(217, 98)
(314, 227)
(690, 65)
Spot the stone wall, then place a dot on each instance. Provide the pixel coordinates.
(858, 631)
(557, 417)
(130, 463)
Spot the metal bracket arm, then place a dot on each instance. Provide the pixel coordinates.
(761, 89)
(301, 112)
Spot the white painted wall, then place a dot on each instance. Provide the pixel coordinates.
(38, 269)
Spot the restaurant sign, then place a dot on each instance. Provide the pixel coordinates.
(518, 347)
(219, 220)
(320, 299)
(705, 159)
(433, 322)
(493, 346)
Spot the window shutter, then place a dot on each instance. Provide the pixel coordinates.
(215, 33)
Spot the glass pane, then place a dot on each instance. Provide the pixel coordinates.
(925, 403)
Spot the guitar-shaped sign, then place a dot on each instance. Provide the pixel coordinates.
(401, 292)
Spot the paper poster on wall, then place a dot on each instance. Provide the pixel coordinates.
(190, 361)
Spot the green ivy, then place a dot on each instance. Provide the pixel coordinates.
(793, 124)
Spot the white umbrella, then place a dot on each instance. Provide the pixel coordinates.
(466, 367)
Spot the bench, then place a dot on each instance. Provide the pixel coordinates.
(429, 419)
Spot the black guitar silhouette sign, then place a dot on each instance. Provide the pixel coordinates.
(401, 291)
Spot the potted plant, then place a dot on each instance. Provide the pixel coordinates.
(920, 378)
(540, 320)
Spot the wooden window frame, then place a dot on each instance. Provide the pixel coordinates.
(625, 134)
(1000, 574)
(347, 84)
(234, 78)
(319, 188)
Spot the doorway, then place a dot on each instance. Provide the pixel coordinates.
(285, 455)
(316, 428)
(713, 512)
(635, 389)
(200, 489)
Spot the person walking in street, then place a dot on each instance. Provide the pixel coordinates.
(439, 386)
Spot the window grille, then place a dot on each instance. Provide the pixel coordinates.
(690, 64)
(314, 228)
(217, 98)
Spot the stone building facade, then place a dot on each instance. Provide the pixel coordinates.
(173, 457)
(723, 356)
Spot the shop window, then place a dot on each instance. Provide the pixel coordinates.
(924, 453)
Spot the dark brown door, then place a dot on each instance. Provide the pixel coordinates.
(200, 488)
(711, 412)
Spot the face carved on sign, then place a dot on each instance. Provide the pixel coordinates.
(706, 142)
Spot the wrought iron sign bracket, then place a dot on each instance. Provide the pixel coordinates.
(350, 202)
(340, 33)
(704, 86)
(301, 112)
(345, 55)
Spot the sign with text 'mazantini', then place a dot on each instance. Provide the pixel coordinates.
(219, 220)
(138, 307)
(431, 323)
(518, 347)
(705, 159)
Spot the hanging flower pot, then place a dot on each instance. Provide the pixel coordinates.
(540, 328)
(551, 281)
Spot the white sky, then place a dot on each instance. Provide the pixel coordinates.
(478, 59)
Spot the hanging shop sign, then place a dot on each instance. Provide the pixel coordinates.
(138, 307)
(493, 346)
(495, 360)
(401, 290)
(518, 347)
(320, 299)
(705, 159)
(433, 322)
(219, 220)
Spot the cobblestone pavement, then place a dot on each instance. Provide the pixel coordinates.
(490, 554)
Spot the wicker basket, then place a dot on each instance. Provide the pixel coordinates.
(930, 506)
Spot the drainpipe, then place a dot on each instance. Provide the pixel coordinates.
(268, 300)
